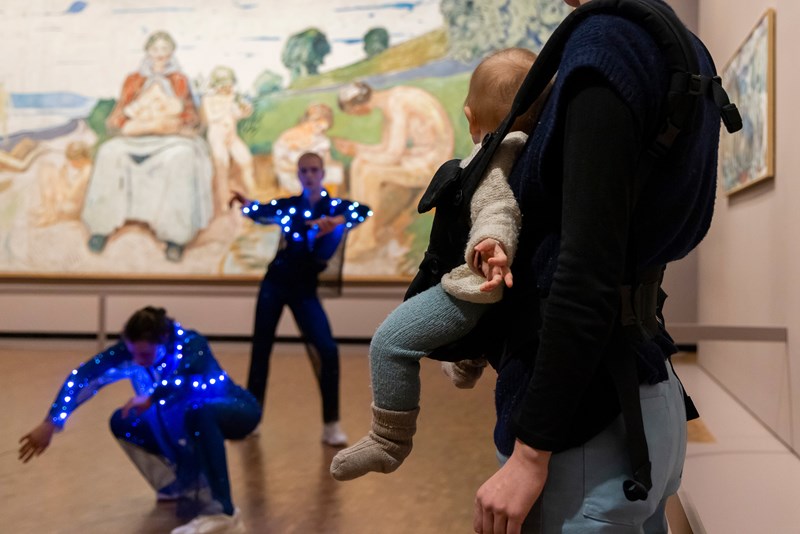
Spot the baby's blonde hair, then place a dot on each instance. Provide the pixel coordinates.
(495, 83)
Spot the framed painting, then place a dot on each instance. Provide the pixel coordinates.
(748, 157)
(125, 128)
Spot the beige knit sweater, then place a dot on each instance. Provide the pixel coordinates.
(494, 213)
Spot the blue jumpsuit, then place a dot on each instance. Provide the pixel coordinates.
(178, 443)
(291, 280)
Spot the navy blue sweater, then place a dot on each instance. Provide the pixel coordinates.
(574, 183)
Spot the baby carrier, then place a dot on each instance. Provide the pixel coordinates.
(451, 190)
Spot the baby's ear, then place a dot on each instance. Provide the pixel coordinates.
(474, 128)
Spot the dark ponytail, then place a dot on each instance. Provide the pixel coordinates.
(148, 324)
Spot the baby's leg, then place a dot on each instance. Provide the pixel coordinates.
(429, 320)
(414, 329)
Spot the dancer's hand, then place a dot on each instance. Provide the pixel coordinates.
(138, 405)
(36, 441)
(326, 225)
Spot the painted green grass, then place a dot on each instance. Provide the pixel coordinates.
(275, 113)
(404, 56)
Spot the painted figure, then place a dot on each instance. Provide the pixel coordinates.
(307, 136)
(63, 189)
(417, 138)
(221, 110)
(156, 170)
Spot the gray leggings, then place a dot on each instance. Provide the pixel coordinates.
(414, 329)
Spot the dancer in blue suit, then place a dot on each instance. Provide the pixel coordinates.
(313, 225)
(173, 428)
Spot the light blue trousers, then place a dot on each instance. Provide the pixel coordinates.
(583, 493)
(414, 329)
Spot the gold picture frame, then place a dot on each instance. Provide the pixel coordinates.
(748, 157)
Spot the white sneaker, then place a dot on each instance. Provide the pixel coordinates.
(213, 524)
(333, 435)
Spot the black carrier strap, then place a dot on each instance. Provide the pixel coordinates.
(687, 86)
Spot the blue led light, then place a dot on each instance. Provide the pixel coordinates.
(74, 371)
(67, 399)
(351, 207)
(70, 384)
(180, 331)
(245, 210)
(292, 210)
(195, 383)
(212, 381)
(273, 202)
(279, 212)
(62, 415)
(306, 214)
(369, 213)
(221, 378)
(255, 207)
(286, 229)
(178, 381)
(349, 225)
(179, 347)
(354, 215)
(204, 386)
(164, 382)
(324, 193)
(162, 402)
(356, 204)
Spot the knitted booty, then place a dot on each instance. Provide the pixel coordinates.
(464, 374)
(382, 450)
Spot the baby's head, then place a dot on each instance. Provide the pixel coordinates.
(492, 89)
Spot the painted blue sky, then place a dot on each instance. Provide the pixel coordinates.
(89, 46)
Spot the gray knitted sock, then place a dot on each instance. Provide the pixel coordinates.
(382, 450)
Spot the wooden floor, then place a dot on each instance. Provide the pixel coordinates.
(85, 484)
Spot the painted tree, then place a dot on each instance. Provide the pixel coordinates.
(305, 52)
(376, 41)
(267, 82)
(477, 27)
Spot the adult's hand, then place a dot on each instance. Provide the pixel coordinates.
(36, 441)
(503, 501)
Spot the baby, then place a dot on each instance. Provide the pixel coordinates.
(449, 310)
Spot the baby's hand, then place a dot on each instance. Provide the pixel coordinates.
(491, 260)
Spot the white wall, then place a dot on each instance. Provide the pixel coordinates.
(216, 310)
(749, 270)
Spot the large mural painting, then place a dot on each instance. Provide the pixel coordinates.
(126, 125)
